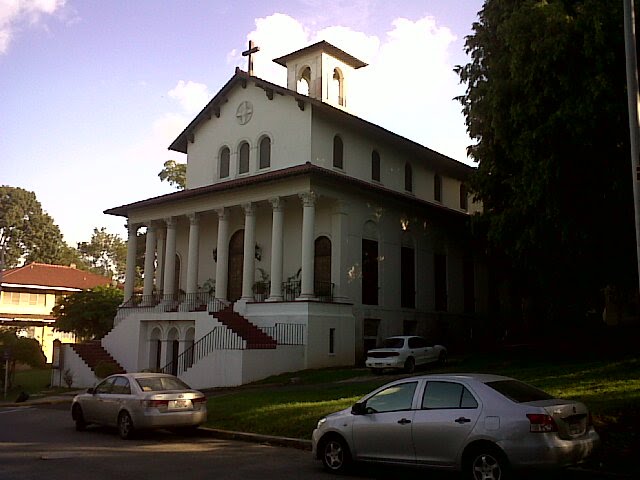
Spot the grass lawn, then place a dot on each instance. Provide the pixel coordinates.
(33, 380)
(611, 389)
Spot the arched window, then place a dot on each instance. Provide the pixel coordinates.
(338, 86)
(225, 155)
(464, 202)
(243, 160)
(338, 149)
(304, 81)
(408, 178)
(265, 153)
(375, 166)
(437, 188)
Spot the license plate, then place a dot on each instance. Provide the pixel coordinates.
(179, 404)
(575, 429)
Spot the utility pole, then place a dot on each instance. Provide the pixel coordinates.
(634, 121)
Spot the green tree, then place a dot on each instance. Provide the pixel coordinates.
(546, 104)
(175, 173)
(106, 253)
(22, 350)
(88, 314)
(26, 231)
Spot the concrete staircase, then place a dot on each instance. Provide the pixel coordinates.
(93, 354)
(255, 338)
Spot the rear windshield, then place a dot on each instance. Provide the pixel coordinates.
(519, 392)
(393, 343)
(158, 384)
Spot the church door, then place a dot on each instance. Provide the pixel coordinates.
(322, 268)
(236, 262)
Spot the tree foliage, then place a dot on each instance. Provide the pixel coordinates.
(546, 104)
(106, 253)
(175, 173)
(22, 350)
(88, 314)
(26, 231)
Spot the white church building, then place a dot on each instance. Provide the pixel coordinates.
(304, 236)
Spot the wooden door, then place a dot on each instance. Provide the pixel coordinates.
(236, 262)
(322, 267)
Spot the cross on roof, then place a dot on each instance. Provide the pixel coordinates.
(249, 53)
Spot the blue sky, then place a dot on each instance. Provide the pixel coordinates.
(92, 92)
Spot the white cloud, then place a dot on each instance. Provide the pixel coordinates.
(192, 96)
(14, 13)
(407, 88)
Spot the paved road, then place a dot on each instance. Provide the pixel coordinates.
(40, 442)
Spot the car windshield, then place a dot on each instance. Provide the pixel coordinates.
(158, 384)
(519, 392)
(393, 343)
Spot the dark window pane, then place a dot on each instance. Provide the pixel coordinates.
(397, 397)
(225, 154)
(519, 392)
(265, 152)
(337, 152)
(375, 166)
(442, 395)
(243, 166)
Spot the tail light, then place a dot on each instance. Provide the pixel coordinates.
(199, 400)
(541, 423)
(155, 403)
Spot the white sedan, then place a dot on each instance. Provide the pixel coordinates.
(405, 352)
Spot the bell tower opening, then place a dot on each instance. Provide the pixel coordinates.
(321, 71)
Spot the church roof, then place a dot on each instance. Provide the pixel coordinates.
(54, 276)
(316, 172)
(439, 161)
(323, 46)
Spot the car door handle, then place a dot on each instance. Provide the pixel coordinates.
(462, 420)
(404, 421)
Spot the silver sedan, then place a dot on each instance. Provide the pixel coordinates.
(135, 401)
(484, 425)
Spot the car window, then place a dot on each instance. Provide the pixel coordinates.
(158, 384)
(121, 386)
(447, 395)
(391, 399)
(519, 392)
(105, 386)
(393, 343)
(417, 342)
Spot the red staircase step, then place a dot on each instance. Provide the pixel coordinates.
(93, 353)
(255, 338)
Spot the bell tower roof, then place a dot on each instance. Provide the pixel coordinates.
(321, 71)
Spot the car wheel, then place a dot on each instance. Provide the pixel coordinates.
(335, 455)
(410, 365)
(125, 426)
(78, 417)
(487, 463)
(442, 358)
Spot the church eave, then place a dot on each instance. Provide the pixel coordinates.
(277, 175)
(326, 47)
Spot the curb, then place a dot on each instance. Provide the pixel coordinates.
(258, 438)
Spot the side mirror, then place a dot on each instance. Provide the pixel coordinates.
(90, 391)
(359, 409)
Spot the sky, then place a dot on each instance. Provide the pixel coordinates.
(92, 92)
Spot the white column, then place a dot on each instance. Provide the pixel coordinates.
(149, 263)
(277, 246)
(160, 236)
(130, 276)
(308, 222)
(194, 245)
(249, 265)
(170, 261)
(222, 262)
(339, 250)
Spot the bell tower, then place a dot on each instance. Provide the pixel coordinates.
(321, 71)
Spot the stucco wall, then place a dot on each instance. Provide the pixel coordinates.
(83, 376)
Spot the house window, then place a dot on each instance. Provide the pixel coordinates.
(332, 340)
(265, 153)
(408, 178)
(225, 155)
(437, 188)
(375, 166)
(338, 152)
(243, 163)
(464, 202)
